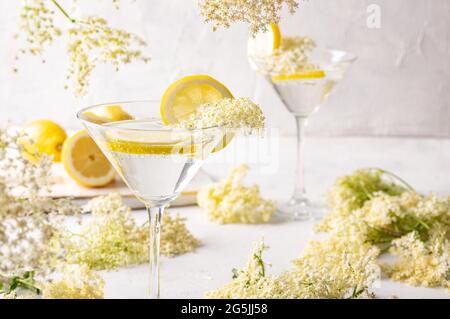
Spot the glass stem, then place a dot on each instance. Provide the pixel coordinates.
(155, 219)
(300, 191)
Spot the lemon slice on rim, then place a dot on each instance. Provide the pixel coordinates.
(140, 143)
(265, 43)
(85, 163)
(314, 74)
(182, 98)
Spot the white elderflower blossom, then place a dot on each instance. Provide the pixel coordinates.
(250, 282)
(351, 192)
(112, 238)
(91, 41)
(332, 268)
(28, 221)
(230, 202)
(421, 263)
(389, 215)
(37, 26)
(256, 13)
(240, 113)
(293, 57)
(337, 267)
(74, 282)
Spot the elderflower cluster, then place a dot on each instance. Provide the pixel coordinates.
(382, 210)
(292, 57)
(336, 267)
(74, 282)
(351, 192)
(92, 42)
(37, 27)
(250, 282)
(421, 263)
(326, 269)
(240, 113)
(256, 13)
(110, 239)
(230, 202)
(28, 221)
(113, 239)
(176, 239)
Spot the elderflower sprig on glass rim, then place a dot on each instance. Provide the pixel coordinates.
(91, 41)
(292, 57)
(231, 114)
(258, 14)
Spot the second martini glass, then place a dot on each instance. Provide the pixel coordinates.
(155, 161)
(302, 96)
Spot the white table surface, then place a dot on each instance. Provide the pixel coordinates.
(425, 163)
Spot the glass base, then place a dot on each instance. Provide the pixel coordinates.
(297, 209)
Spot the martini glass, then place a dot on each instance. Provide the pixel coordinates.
(302, 97)
(155, 161)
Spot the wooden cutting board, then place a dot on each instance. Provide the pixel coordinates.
(63, 186)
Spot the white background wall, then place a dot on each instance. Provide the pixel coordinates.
(399, 86)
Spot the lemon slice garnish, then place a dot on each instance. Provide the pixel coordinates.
(85, 163)
(314, 74)
(183, 97)
(265, 43)
(139, 148)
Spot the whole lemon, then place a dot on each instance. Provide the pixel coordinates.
(43, 137)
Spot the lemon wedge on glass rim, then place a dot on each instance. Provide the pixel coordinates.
(85, 163)
(183, 97)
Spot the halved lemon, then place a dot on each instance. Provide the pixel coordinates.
(265, 43)
(314, 74)
(43, 137)
(85, 163)
(107, 114)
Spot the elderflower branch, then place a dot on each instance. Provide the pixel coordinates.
(256, 13)
(91, 41)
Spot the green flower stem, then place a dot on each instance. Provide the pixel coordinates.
(63, 11)
(402, 181)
